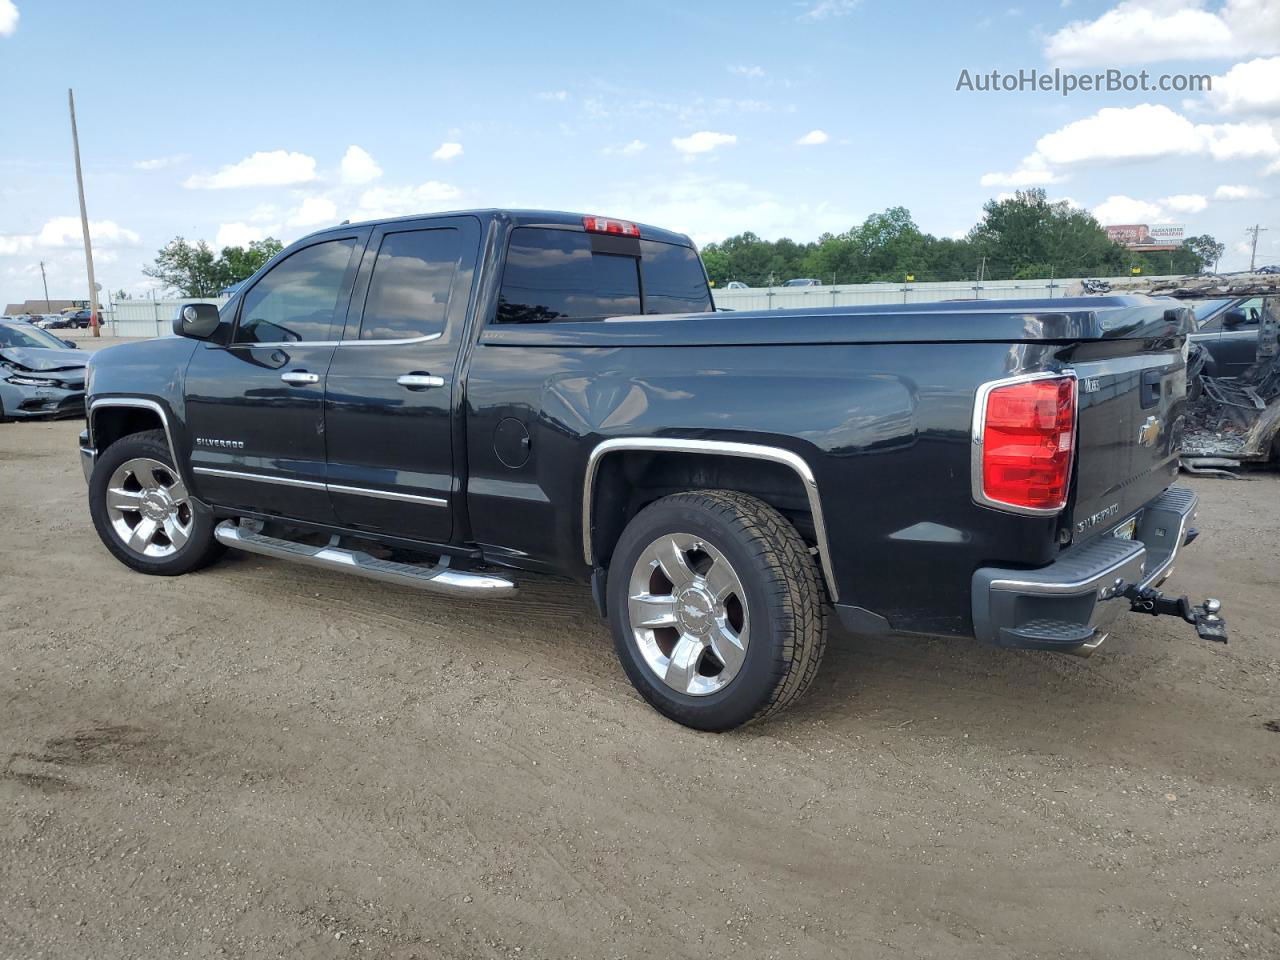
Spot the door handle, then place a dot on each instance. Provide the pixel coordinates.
(419, 381)
(300, 377)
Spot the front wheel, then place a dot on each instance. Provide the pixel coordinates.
(716, 608)
(143, 512)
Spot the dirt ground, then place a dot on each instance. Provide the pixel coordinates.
(263, 760)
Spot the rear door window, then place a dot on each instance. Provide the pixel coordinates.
(563, 275)
(409, 293)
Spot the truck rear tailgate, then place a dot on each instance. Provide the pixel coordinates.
(1132, 404)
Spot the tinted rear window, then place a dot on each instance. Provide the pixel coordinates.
(559, 275)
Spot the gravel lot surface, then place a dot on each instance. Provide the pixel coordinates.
(262, 760)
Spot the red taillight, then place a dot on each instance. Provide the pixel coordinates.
(605, 225)
(1028, 434)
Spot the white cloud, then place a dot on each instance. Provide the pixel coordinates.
(1248, 88)
(241, 234)
(558, 95)
(313, 211)
(825, 9)
(16, 243)
(813, 138)
(264, 169)
(447, 151)
(358, 166)
(1122, 209)
(703, 141)
(1272, 168)
(66, 233)
(427, 197)
(8, 18)
(627, 149)
(1143, 132)
(710, 209)
(1146, 31)
(1185, 203)
(1121, 133)
(1233, 192)
(1231, 141)
(1032, 172)
(743, 70)
(158, 163)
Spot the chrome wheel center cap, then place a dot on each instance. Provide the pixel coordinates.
(695, 610)
(155, 505)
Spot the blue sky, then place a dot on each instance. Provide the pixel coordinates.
(233, 120)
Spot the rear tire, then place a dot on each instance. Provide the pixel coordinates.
(717, 609)
(143, 512)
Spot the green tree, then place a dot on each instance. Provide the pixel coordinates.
(1026, 235)
(194, 271)
(1207, 249)
(240, 263)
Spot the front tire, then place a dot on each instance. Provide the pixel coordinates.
(716, 609)
(143, 512)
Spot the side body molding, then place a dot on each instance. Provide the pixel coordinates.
(750, 451)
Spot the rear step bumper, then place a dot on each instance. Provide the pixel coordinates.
(1068, 605)
(438, 578)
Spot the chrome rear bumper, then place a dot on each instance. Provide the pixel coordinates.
(1068, 605)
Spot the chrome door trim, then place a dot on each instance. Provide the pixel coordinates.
(137, 402)
(317, 485)
(261, 477)
(387, 495)
(335, 343)
(979, 425)
(750, 451)
(300, 377)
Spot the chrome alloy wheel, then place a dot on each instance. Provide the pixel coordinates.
(688, 613)
(148, 508)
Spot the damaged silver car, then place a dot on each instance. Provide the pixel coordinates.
(41, 376)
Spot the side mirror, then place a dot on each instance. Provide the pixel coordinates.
(72, 344)
(1232, 319)
(199, 321)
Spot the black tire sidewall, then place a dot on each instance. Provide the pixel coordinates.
(199, 548)
(763, 667)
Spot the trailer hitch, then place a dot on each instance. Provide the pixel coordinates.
(1205, 617)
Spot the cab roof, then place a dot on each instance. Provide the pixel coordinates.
(557, 219)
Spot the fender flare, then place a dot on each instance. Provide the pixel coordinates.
(137, 403)
(750, 451)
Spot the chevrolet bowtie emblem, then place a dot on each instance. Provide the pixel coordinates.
(1149, 432)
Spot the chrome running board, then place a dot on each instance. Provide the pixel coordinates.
(438, 578)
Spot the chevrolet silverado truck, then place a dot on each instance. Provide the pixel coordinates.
(444, 402)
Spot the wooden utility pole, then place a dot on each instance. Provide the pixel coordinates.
(84, 221)
(1256, 229)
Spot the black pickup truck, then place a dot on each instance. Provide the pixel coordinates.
(439, 401)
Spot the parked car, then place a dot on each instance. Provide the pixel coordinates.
(516, 392)
(736, 285)
(1228, 330)
(81, 319)
(41, 376)
(803, 282)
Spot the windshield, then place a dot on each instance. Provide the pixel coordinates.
(24, 336)
(1208, 308)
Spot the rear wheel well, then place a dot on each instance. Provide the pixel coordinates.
(113, 423)
(629, 480)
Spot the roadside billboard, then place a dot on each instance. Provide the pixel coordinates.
(1142, 236)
